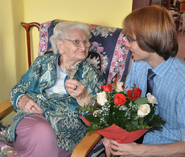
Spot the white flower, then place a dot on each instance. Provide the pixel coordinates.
(151, 98)
(119, 86)
(101, 98)
(123, 108)
(96, 112)
(143, 110)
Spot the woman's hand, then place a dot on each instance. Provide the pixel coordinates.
(77, 90)
(28, 105)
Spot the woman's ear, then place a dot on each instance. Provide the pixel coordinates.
(60, 46)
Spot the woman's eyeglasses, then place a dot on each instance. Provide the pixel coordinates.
(78, 43)
(127, 38)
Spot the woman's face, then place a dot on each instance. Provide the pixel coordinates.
(70, 52)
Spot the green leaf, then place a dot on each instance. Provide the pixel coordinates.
(150, 116)
(92, 119)
(141, 101)
(120, 113)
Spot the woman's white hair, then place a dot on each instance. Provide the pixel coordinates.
(62, 30)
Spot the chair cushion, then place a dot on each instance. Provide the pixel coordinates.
(95, 59)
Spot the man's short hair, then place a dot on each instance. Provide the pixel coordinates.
(154, 29)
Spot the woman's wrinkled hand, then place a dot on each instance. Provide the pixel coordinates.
(77, 90)
(29, 105)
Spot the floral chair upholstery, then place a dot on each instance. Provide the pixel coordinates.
(106, 41)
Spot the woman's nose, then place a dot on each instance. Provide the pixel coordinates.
(82, 46)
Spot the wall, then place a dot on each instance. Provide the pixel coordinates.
(11, 45)
(102, 12)
(13, 60)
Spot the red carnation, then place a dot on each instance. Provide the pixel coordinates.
(120, 99)
(134, 93)
(107, 88)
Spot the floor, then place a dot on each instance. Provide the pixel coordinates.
(181, 41)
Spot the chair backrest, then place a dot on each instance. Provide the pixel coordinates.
(106, 41)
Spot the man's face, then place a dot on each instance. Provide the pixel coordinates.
(137, 52)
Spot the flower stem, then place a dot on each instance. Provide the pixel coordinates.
(112, 155)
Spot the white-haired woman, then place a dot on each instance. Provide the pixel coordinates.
(47, 123)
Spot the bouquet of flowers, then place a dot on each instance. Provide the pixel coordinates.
(121, 114)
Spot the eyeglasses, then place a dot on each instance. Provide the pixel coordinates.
(78, 43)
(127, 38)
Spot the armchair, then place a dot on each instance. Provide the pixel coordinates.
(108, 53)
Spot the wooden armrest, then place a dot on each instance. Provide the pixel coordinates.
(86, 144)
(5, 108)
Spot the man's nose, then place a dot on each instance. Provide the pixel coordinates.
(127, 44)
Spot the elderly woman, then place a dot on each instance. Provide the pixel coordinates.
(47, 123)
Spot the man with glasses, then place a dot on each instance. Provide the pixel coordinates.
(151, 36)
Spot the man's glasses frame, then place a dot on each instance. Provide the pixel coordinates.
(127, 38)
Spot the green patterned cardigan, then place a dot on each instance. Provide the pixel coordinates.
(60, 110)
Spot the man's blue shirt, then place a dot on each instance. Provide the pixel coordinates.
(169, 90)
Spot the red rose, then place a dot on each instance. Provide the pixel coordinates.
(134, 94)
(107, 88)
(120, 99)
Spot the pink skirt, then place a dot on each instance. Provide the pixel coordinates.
(36, 138)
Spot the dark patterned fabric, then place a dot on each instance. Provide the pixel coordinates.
(95, 59)
(107, 41)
